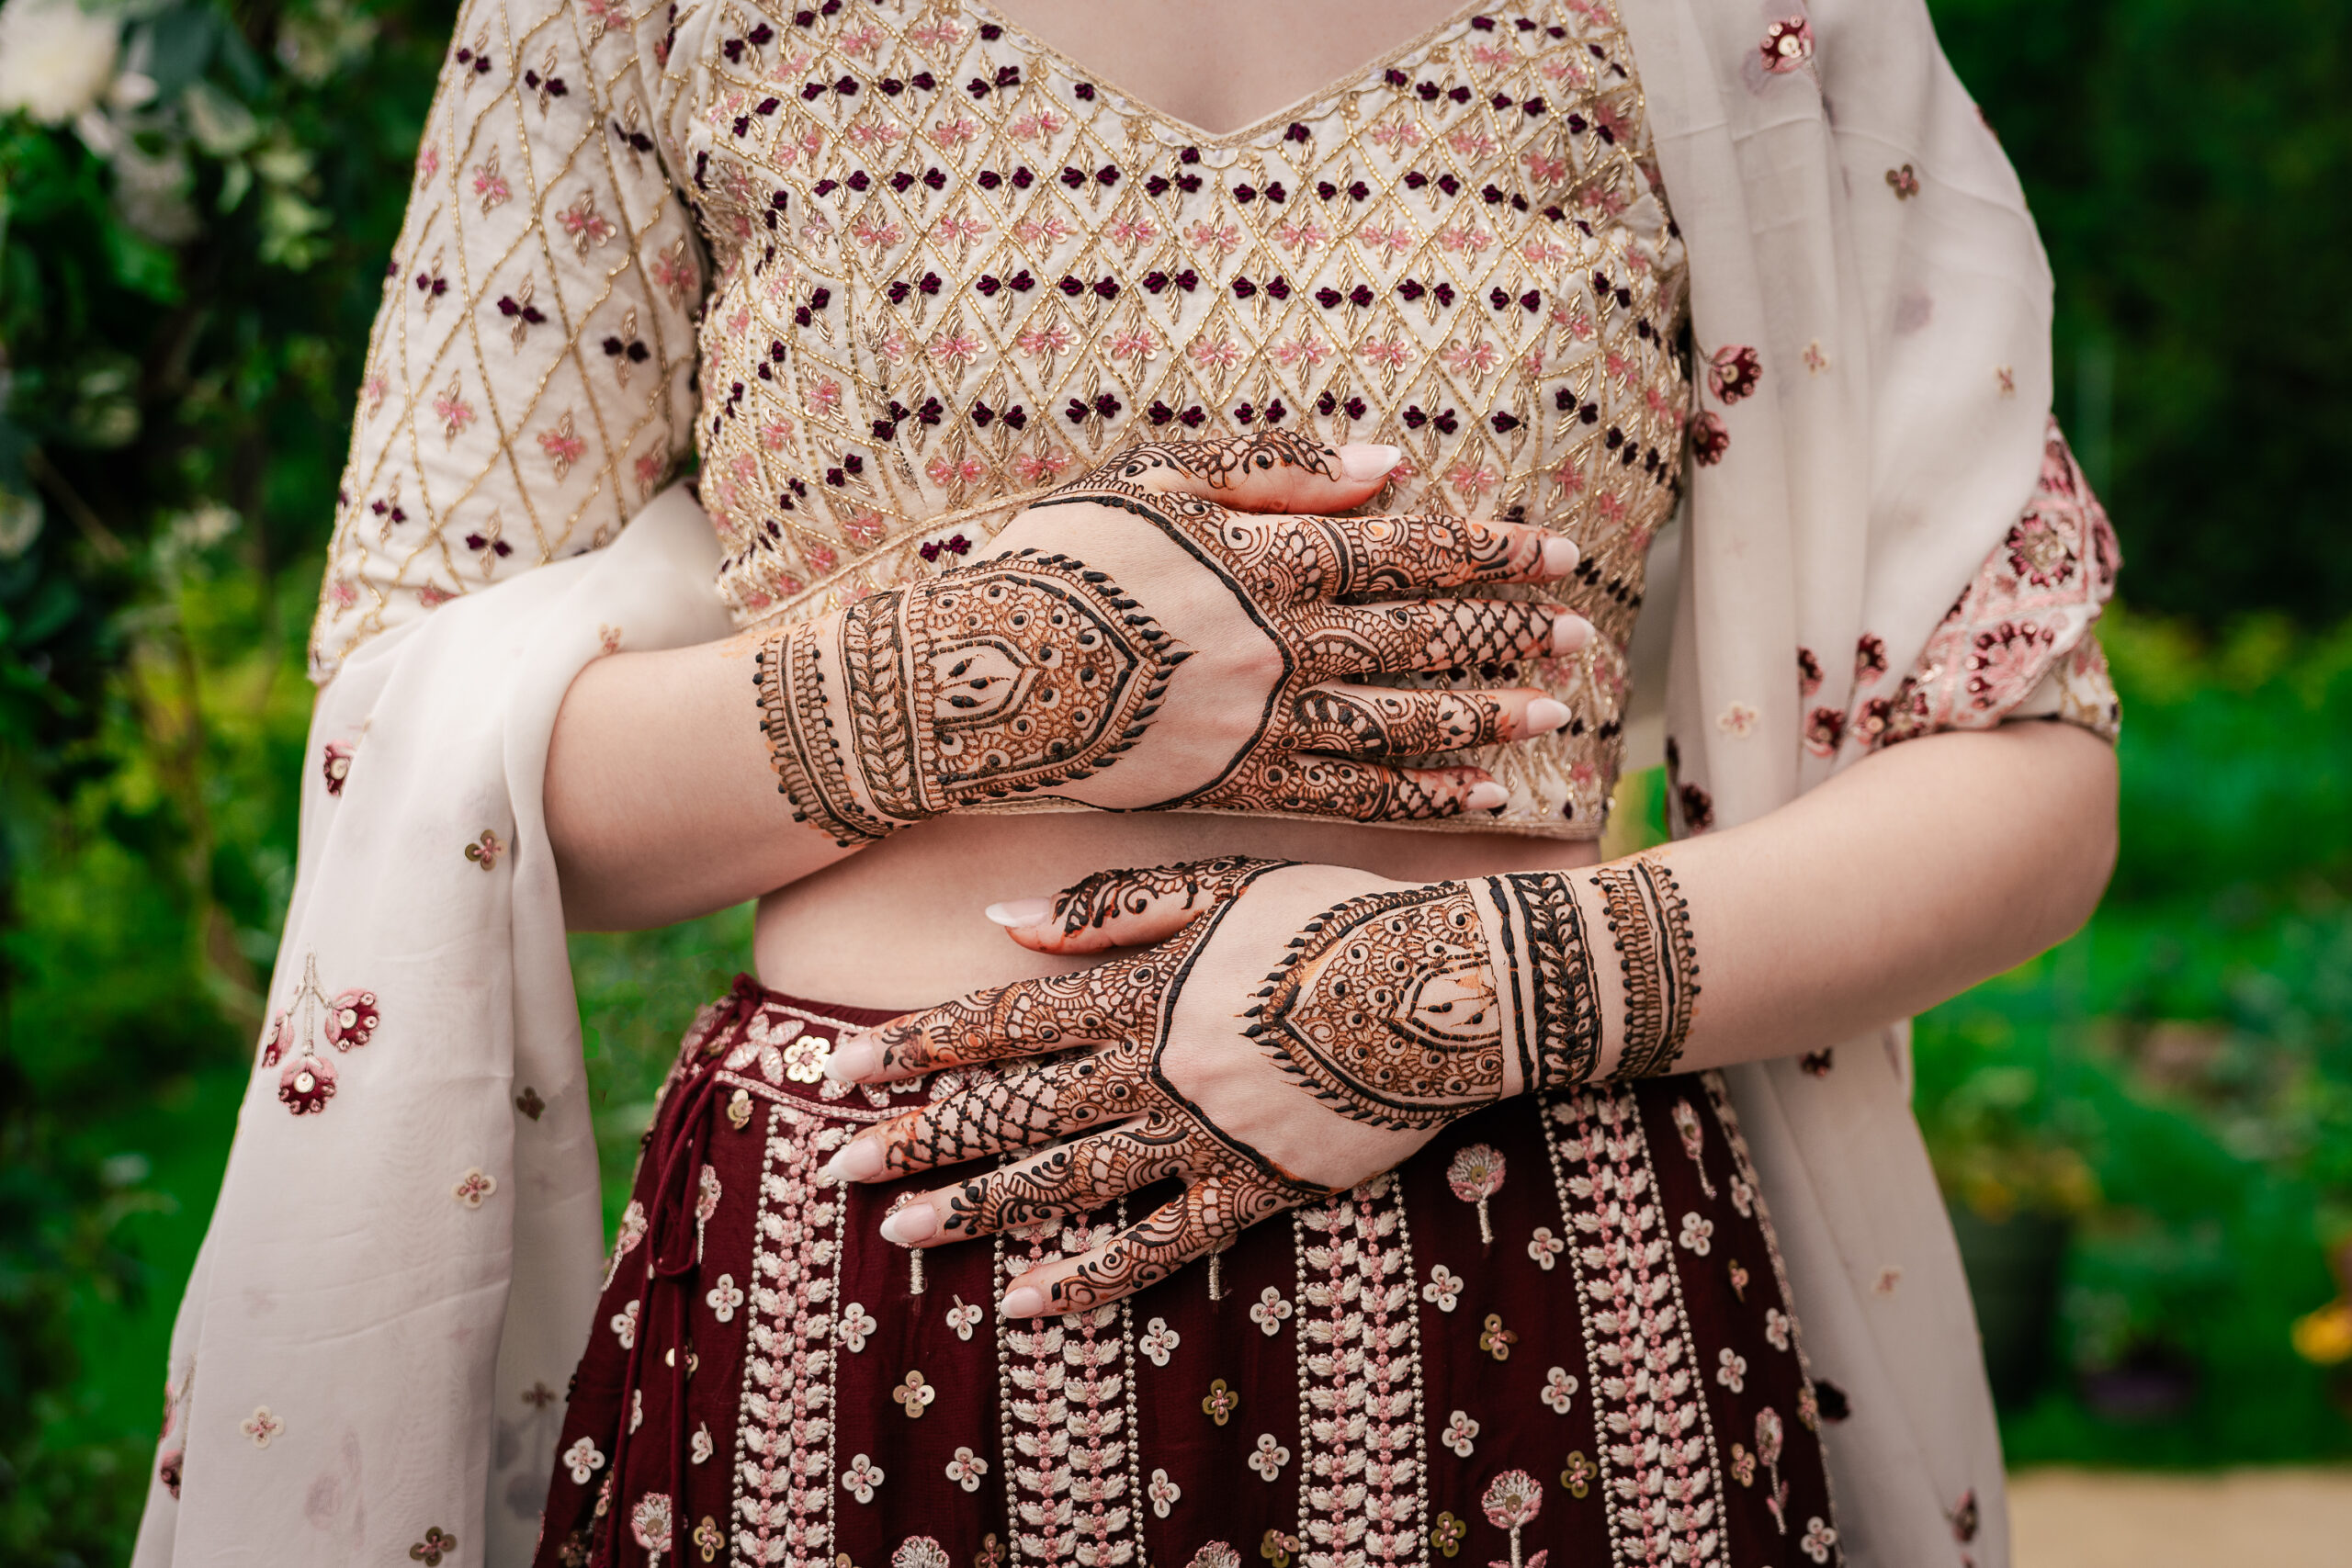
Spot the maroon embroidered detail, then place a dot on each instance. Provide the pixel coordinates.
(1363, 1473)
(1787, 46)
(1659, 1468)
(784, 1460)
(335, 763)
(1710, 437)
(307, 1079)
(1808, 672)
(1066, 1384)
(1734, 371)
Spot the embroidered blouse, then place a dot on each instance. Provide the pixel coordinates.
(948, 270)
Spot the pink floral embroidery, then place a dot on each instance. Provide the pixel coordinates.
(488, 184)
(335, 763)
(352, 1018)
(585, 224)
(473, 1187)
(2026, 617)
(564, 445)
(649, 1522)
(1511, 1502)
(1476, 1174)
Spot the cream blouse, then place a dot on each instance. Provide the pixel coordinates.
(949, 272)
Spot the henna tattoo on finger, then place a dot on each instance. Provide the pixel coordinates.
(1093, 903)
(1658, 959)
(1299, 784)
(1375, 722)
(1222, 463)
(1454, 635)
(1097, 1005)
(1209, 1215)
(1020, 1110)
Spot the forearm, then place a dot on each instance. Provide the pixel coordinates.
(1902, 881)
(662, 801)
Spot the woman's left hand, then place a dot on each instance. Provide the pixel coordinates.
(1300, 1029)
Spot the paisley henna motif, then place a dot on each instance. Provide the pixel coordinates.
(1034, 672)
(1002, 678)
(1651, 922)
(1386, 1010)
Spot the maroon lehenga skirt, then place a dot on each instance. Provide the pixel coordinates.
(1562, 1328)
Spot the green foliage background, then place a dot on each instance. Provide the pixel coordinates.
(185, 293)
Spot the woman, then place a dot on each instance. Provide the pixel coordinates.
(936, 240)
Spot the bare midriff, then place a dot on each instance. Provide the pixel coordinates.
(900, 925)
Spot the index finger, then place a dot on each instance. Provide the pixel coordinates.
(1394, 554)
(1273, 470)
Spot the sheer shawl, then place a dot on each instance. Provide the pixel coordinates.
(1871, 304)
(370, 1358)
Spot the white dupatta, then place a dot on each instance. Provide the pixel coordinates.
(1850, 218)
(370, 1361)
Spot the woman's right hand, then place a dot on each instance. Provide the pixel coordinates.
(1175, 631)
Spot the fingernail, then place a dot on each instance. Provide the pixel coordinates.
(854, 1059)
(1019, 912)
(1368, 459)
(1026, 1302)
(855, 1162)
(1485, 796)
(1543, 715)
(916, 1222)
(1570, 633)
(1560, 557)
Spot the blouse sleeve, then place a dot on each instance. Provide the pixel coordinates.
(529, 378)
(2019, 642)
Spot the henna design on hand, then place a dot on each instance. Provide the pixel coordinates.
(1032, 671)
(1400, 1009)
(1659, 960)
(1553, 992)
(1385, 1009)
(998, 679)
(1231, 1185)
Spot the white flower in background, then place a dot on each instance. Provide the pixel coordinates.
(55, 58)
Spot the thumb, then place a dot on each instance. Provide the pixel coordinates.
(1274, 470)
(1127, 909)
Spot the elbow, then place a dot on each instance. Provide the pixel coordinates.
(2081, 860)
